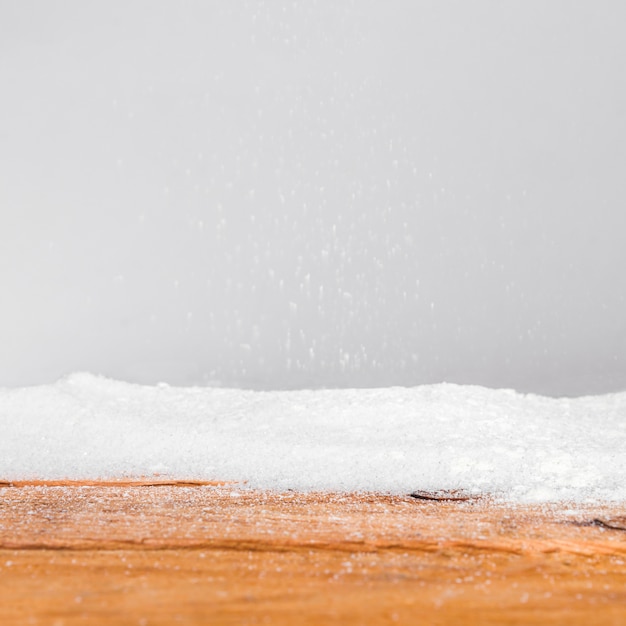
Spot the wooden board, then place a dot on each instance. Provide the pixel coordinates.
(207, 554)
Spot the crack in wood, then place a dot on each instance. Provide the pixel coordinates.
(442, 496)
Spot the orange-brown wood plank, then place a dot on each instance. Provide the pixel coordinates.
(222, 555)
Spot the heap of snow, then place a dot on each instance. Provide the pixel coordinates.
(398, 440)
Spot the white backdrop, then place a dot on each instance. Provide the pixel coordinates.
(314, 193)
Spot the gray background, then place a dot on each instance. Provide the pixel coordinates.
(314, 193)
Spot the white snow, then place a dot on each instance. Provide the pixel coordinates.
(517, 447)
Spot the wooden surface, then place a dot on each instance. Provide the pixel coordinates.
(207, 554)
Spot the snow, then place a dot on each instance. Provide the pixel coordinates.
(520, 448)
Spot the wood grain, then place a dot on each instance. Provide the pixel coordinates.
(208, 554)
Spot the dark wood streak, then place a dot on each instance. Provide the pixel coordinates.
(607, 525)
(442, 496)
(598, 523)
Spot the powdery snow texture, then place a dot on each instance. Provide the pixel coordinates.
(516, 447)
